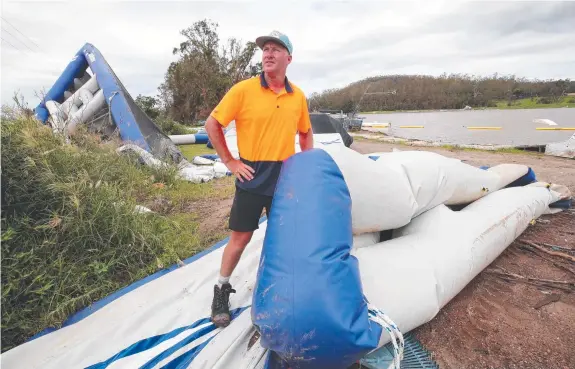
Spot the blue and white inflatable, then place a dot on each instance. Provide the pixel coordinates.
(317, 287)
(88, 92)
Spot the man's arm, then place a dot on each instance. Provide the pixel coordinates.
(304, 128)
(218, 141)
(306, 140)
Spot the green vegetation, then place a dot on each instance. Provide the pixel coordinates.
(70, 235)
(538, 103)
(505, 150)
(422, 92)
(190, 151)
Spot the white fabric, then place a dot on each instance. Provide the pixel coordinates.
(410, 183)
(410, 277)
(186, 170)
(441, 251)
(564, 149)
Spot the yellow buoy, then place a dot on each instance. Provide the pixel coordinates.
(555, 128)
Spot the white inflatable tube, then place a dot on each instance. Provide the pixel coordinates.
(57, 115)
(441, 251)
(87, 111)
(183, 139)
(411, 182)
(91, 86)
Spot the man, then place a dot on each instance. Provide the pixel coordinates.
(268, 111)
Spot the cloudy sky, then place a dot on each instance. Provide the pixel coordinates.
(335, 43)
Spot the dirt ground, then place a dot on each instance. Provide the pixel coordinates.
(494, 322)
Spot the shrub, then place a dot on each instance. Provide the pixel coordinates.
(171, 127)
(70, 235)
(544, 100)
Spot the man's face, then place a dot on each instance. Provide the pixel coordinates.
(275, 58)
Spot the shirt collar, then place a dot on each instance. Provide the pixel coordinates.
(264, 83)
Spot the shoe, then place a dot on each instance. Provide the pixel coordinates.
(221, 305)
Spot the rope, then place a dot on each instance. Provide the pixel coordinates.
(382, 319)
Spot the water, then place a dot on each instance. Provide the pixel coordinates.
(449, 127)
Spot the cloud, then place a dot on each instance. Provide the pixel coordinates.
(335, 43)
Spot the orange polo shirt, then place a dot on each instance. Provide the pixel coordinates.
(266, 125)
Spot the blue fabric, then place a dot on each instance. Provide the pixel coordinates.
(526, 179)
(113, 92)
(308, 302)
(374, 158)
(210, 156)
(209, 145)
(201, 138)
(151, 342)
(184, 360)
(146, 344)
(562, 204)
(75, 68)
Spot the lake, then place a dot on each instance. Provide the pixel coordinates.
(450, 127)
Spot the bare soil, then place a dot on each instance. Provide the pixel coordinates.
(493, 322)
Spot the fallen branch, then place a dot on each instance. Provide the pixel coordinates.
(562, 285)
(534, 251)
(558, 247)
(554, 253)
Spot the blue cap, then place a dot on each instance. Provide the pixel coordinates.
(278, 37)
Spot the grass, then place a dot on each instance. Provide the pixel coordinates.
(190, 151)
(503, 150)
(70, 235)
(537, 103)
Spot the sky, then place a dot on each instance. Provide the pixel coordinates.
(335, 43)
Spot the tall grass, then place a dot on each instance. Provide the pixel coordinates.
(70, 235)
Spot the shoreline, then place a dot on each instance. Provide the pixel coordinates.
(460, 110)
(523, 149)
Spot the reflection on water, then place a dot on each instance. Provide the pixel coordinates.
(517, 126)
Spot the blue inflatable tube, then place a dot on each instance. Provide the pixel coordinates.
(201, 138)
(308, 302)
(75, 69)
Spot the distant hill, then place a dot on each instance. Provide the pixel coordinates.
(420, 92)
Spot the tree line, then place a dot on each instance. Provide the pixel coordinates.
(420, 92)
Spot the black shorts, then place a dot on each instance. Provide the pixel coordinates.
(247, 210)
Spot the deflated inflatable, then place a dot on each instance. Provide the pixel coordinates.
(316, 286)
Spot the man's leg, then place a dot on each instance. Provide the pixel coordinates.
(244, 219)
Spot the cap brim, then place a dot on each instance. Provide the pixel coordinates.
(260, 41)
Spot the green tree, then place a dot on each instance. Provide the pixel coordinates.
(150, 106)
(204, 72)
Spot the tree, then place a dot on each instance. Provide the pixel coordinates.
(204, 72)
(150, 106)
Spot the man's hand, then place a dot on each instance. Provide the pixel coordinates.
(240, 169)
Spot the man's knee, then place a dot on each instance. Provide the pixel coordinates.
(240, 239)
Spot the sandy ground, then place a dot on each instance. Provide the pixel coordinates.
(493, 322)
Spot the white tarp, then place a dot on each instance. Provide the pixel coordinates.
(564, 149)
(409, 277)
